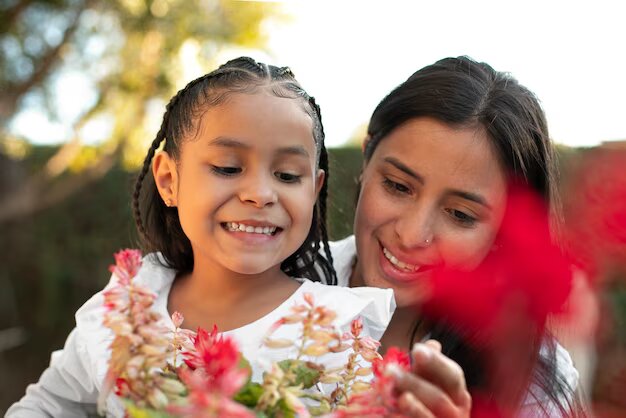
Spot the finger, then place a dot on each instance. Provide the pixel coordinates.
(410, 406)
(440, 370)
(432, 397)
(434, 344)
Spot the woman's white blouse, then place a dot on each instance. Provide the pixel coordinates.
(69, 387)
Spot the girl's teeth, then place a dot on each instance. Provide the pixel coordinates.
(237, 227)
(398, 263)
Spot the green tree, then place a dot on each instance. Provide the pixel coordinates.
(131, 51)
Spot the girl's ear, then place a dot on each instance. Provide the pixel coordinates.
(319, 181)
(166, 177)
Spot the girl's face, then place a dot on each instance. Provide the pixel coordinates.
(246, 184)
(431, 195)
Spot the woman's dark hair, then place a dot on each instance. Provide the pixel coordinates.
(465, 94)
(159, 226)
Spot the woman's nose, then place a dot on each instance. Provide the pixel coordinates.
(258, 190)
(415, 228)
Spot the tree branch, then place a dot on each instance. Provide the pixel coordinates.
(10, 15)
(12, 95)
(30, 198)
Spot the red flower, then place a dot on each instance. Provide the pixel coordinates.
(526, 270)
(381, 399)
(207, 400)
(395, 356)
(217, 359)
(213, 377)
(596, 210)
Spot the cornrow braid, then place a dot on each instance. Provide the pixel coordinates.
(331, 275)
(159, 225)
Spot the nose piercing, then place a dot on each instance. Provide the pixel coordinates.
(427, 241)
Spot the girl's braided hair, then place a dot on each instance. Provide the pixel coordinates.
(159, 226)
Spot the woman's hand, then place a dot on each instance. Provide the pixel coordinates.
(436, 387)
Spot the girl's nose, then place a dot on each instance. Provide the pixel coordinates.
(415, 229)
(258, 191)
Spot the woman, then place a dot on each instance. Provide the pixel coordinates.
(440, 153)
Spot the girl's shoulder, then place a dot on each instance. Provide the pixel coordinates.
(374, 306)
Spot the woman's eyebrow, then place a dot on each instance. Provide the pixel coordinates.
(469, 196)
(402, 167)
(474, 197)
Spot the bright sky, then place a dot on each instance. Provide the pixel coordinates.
(349, 54)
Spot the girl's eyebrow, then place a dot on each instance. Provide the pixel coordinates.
(474, 197)
(226, 142)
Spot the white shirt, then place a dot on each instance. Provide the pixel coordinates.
(536, 402)
(69, 387)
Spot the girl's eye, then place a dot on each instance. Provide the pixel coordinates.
(287, 177)
(395, 187)
(461, 217)
(226, 171)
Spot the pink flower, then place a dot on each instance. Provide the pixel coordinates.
(381, 399)
(127, 264)
(217, 359)
(356, 327)
(177, 319)
(206, 400)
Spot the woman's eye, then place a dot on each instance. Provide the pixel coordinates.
(226, 171)
(461, 217)
(395, 187)
(287, 177)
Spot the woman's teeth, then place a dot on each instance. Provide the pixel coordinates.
(400, 264)
(238, 227)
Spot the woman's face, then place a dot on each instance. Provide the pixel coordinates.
(431, 196)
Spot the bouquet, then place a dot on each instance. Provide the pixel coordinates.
(160, 372)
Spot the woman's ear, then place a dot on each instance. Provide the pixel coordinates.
(366, 141)
(166, 177)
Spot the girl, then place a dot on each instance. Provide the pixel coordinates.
(440, 151)
(234, 211)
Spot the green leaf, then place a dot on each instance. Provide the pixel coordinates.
(285, 410)
(133, 411)
(249, 395)
(305, 375)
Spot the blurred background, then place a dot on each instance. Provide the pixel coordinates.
(83, 85)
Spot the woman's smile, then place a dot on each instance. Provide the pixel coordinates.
(399, 270)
